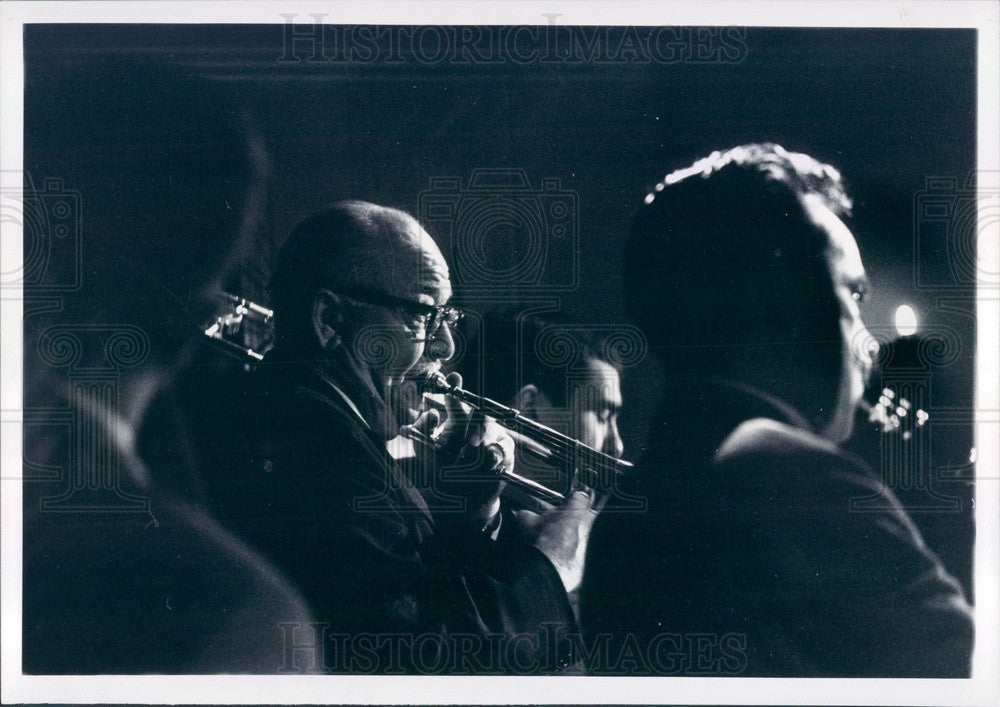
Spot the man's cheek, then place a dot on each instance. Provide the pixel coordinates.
(858, 359)
(406, 400)
(408, 356)
(589, 431)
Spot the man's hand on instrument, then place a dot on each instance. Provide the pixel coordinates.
(561, 534)
(468, 438)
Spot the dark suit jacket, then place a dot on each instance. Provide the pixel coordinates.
(753, 560)
(322, 498)
(148, 584)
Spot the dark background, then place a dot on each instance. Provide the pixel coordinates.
(195, 149)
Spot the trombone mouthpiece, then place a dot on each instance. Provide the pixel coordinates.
(436, 383)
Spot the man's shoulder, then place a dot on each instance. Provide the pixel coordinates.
(767, 437)
(300, 422)
(287, 401)
(781, 460)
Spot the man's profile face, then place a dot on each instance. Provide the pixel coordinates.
(429, 283)
(394, 341)
(850, 283)
(595, 404)
(593, 407)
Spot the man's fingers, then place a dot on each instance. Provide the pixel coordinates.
(427, 422)
(507, 445)
(580, 499)
(461, 417)
(456, 411)
(527, 519)
(476, 430)
(497, 453)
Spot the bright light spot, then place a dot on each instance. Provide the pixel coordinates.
(906, 320)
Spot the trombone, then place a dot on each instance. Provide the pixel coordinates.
(589, 466)
(229, 330)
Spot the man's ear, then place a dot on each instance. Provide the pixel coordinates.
(327, 318)
(528, 400)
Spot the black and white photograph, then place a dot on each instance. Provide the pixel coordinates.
(472, 352)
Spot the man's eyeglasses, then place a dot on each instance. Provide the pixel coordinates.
(430, 316)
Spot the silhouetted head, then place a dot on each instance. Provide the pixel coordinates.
(740, 267)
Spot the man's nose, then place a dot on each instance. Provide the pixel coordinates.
(441, 344)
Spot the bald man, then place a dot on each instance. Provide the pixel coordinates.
(404, 579)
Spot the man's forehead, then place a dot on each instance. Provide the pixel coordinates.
(603, 383)
(431, 281)
(842, 249)
(420, 270)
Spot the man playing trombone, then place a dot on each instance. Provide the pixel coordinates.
(403, 579)
(580, 397)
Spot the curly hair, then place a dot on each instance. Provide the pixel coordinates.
(797, 170)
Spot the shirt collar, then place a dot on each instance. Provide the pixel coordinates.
(347, 400)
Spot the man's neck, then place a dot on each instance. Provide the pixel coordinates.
(364, 393)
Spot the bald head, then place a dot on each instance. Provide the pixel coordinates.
(385, 250)
(356, 245)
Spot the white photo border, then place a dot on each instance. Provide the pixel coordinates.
(982, 688)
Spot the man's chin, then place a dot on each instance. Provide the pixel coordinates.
(407, 395)
(405, 398)
(841, 427)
